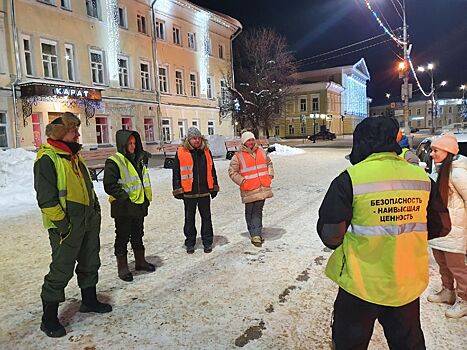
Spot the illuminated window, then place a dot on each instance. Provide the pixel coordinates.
(102, 130)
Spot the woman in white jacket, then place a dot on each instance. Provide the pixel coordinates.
(449, 251)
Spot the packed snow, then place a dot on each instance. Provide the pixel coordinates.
(274, 297)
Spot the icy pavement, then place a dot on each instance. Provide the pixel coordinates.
(274, 297)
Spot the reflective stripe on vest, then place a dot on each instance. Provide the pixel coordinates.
(130, 181)
(253, 169)
(383, 258)
(186, 168)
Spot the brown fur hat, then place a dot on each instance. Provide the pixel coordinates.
(60, 126)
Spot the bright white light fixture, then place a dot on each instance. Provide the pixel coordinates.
(430, 66)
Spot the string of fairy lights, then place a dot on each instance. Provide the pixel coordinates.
(399, 43)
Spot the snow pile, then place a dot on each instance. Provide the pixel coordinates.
(283, 150)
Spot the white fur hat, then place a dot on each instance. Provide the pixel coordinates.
(246, 136)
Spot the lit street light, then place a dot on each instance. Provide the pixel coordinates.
(388, 95)
(430, 66)
(421, 69)
(444, 83)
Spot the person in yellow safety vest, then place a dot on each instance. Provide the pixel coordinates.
(127, 182)
(72, 216)
(407, 153)
(194, 180)
(377, 216)
(252, 170)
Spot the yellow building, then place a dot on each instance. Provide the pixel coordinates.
(106, 61)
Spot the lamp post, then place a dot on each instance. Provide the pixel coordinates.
(434, 108)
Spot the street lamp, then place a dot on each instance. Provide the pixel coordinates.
(463, 87)
(388, 95)
(434, 109)
(443, 83)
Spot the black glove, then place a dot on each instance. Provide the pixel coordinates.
(178, 196)
(214, 194)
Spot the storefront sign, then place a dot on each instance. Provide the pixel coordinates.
(46, 90)
(71, 92)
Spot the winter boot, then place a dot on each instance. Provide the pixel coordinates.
(50, 324)
(256, 241)
(89, 302)
(458, 310)
(190, 250)
(445, 296)
(122, 267)
(208, 248)
(140, 262)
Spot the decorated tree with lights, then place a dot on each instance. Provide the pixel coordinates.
(263, 66)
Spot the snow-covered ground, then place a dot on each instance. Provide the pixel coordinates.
(274, 297)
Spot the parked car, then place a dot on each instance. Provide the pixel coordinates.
(324, 135)
(424, 150)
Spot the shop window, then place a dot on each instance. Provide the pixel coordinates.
(177, 36)
(166, 132)
(127, 123)
(93, 8)
(209, 92)
(102, 130)
(211, 130)
(36, 129)
(179, 82)
(70, 62)
(123, 72)
(49, 59)
(145, 76)
(3, 130)
(160, 30)
(141, 22)
(193, 85)
(149, 129)
(97, 66)
(163, 82)
(192, 41)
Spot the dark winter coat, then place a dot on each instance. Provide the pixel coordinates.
(200, 182)
(123, 206)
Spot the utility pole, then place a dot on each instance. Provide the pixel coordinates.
(406, 78)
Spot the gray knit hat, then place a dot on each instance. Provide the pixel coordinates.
(193, 132)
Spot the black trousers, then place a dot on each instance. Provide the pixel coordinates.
(354, 320)
(128, 229)
(254, 217)
(204, 207)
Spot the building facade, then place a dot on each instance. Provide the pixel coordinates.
(116, 64)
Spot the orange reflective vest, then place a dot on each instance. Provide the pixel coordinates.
(186, 168)
(254, 170)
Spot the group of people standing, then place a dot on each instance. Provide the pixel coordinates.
(72, 215)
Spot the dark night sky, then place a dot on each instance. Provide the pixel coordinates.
(437, 29)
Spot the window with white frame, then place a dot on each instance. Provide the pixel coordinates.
(211, 130)
(302, 104)
(27, 55)
(102, 130)
(149, 129)
(315, 104)
(195, 123)
(177, 35)
(123, 71)
(291, 129)
(276, 130)
(193, 85)
(97, 66)
(163, 80)
(50, 2)
(70, 62)
(181, 129)
(127, 123)
(209, 92)
(65, 4)
(122, 17)
(3, 130)
(419, 111)
(179, 82)
(93, 8)
(145, 76)
(141, 22)
(49, 59)
(221, 51)
(160, 30)
(192, 41)
(166, 130)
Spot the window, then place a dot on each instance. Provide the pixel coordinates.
(49, 59)
(50, 2)
(102, 130)
(195, 123)
(145, 76)
(65, 4)
(122, 19)
(70, 62)
(179, 82)
(27, 55)
(221, 51)
(160, 29)
(181, 129)
(127, 123)
(123, 72)
(419, 111)
(429, 122)
(193, 85)
(210, 127)
(430, 110)
(163, 86)
(209, 92)
(291, 129)
(149, 129)
(315, 104)
(208, 46)
(166, 129)
(92, 8)
(141, 21)
(276, 130)
(450, 109)
(36, 129)
(440, 110)
(224, 91)
(176, 31)
(192, 41)
(302, 104)
(97, 66)
(3, 130)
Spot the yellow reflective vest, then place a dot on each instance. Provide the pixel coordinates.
(71, 184)
(130, 180)
(384, 256)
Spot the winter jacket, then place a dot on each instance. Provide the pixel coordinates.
(123, 206)
(261, 192)
(456, 240)
(200, 186)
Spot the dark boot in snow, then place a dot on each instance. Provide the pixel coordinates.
(89, 302)
(50, 324)
(140, 262)
(122, 267)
